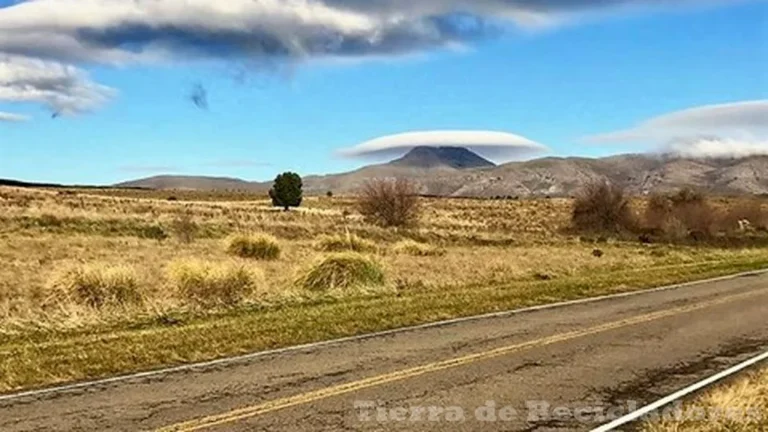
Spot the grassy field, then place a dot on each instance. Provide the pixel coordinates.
(97, 283)
(741, 406)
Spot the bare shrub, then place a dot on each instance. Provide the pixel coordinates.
(390, 203)
(602, 207)
(658, 211)
(685, 214)
(95, 285)
(693, 211)
(687, 196)
(206, 283)
(743, 216)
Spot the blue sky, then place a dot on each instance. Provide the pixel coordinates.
(554, 86)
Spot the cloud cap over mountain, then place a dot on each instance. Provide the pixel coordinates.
(725, 130)
(500, 146)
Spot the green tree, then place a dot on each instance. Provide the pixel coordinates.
(286, 192)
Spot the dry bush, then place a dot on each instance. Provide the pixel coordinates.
(602, 207)
(684, 214)
(750, 210)
(346, 242)
(414, 248)
(206, 283)
(254, 246)
(390, 203)
(657, 211)
(343, 271)
(95, 285)
(692, 210)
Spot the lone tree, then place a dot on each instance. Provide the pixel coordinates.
(286, 192)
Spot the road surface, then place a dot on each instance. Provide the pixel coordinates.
(567, 368)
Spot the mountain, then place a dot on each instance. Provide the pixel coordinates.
(459, 172)
(189, 182)
(450, 157)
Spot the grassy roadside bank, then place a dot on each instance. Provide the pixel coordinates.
(738, 406)
(36, 360)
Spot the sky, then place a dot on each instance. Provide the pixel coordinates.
(101, 91)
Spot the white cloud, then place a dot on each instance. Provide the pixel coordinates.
(12, 118)
(260, 32)
(490, 144)
(710, 119)
(63, 89)
(121, 31)
(733, 129)
(716, 147)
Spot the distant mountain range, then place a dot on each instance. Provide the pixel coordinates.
(453, 171)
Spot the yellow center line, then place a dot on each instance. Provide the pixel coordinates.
(312, 396)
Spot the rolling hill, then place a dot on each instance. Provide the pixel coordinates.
(459, 172)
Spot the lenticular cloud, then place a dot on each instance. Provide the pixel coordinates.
(115, 31)
(723, 130)
(490, 144)
(258, 32)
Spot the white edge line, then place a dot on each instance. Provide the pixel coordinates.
(629, 418)
(245, 357)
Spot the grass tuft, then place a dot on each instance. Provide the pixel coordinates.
(205, 283)
(343, 271)
(414, 248)
(347, 242)
(254, 246)
(95, 285)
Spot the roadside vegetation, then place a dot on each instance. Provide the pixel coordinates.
(97, 283)
(741, 406)
(683, 217)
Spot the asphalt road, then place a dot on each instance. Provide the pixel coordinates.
(568, 368)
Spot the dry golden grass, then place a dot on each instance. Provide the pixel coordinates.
(254, 246)
(342, 272)
(345, 242)
(414, 248)
(459, 242)
(465, 256)
(210, 284)
(738, 407)
(95, 286)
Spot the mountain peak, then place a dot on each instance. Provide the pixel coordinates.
(433, 157)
